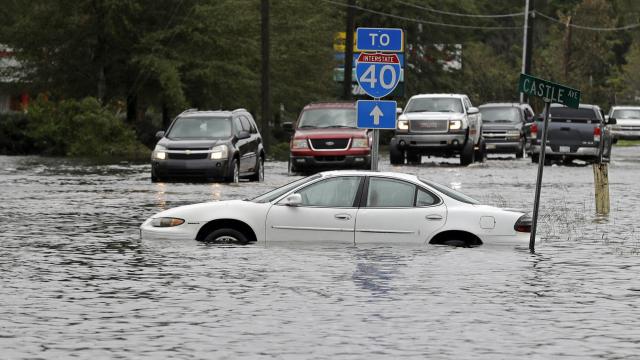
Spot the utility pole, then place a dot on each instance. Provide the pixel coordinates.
(348, 51)
(265, 88)
(527, 41)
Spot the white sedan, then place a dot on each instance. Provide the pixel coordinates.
(347, 207)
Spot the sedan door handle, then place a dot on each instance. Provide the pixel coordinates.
(433, 217)
(343, 216)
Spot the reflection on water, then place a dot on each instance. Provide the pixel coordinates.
(75, 280)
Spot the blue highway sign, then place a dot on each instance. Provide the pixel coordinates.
(378, 74)
(380, 39)
(376, 114)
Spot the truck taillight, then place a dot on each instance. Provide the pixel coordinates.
(596, 133)
(534, 130)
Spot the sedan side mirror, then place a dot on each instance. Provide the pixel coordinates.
(159, 135)
(292, 200)
(473, 110)
(242, 134)
(287, 126)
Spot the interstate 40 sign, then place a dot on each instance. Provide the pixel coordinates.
(378, 74)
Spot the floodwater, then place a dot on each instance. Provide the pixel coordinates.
(76, 282)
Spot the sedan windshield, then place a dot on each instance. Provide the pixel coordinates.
(328, 118)
(626, 114)
(500, 115)
(276, 193)
(456, 195)
(200, 128)
(434, 105)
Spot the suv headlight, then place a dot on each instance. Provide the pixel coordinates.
(403, 124)
(219, 152)
(300, 144)
(455, 124)
(360, 143)
(159, 153)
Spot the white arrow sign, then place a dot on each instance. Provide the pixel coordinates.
(376, 113)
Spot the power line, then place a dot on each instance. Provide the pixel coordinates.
(592, 28)
(426, 8)
(423, 21)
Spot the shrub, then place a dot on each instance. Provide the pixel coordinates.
(279, 151)
(81, 128)
(13, 137)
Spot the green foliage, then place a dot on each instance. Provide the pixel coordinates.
(81, 128)
(279, 151)
(13, 134)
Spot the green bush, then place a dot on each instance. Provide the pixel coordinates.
(279, 151)
(13, 137)
(81, 128)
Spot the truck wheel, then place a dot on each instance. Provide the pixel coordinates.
(520, 150)
(481, 153)
(396, 156)
(467, 154)
(414, 157)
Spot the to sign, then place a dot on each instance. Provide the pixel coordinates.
(378, 74)
(376, 114)
(552, 92)
(379, 39)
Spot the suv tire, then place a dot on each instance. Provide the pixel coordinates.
(467, 153)
(396, 156)
(259, 174)
(234, 174)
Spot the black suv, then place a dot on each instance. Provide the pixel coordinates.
(573, 134)
(505, 127)
(210, 145)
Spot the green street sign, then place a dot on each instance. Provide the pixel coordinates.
(549, 91)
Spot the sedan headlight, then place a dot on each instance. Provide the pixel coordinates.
(300, 144)
(159, 153)
(455, 124)
(403, 124)
(166, 222)
(360, 143)
(219, 152)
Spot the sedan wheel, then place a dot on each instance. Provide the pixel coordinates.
(226, 236)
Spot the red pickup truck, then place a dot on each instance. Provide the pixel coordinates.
(326, 137)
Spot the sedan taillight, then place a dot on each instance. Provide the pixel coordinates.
(523, 224)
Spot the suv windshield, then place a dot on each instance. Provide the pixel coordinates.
(328, 118)
(626, 114)
(434, 105)
(199, 127)
(500, 115)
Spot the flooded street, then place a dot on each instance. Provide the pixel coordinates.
(76, 281)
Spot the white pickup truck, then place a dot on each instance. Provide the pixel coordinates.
(438, 125)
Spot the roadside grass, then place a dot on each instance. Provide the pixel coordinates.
(628, 143)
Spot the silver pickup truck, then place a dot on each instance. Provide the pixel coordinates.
(438, 125)
(573, 134)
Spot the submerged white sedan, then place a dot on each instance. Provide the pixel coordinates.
(351, 207)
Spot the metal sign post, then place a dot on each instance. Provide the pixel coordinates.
(549, 92)
(536, 202)
(378, 73)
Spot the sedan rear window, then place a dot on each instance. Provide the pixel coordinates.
(200, 128)
(456, 195)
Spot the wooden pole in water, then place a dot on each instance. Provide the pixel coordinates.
(601, 182)
(536, 201)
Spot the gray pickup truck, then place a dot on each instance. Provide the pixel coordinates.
(580, 134)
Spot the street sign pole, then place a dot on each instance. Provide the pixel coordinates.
(374, 150)
(536, 203)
